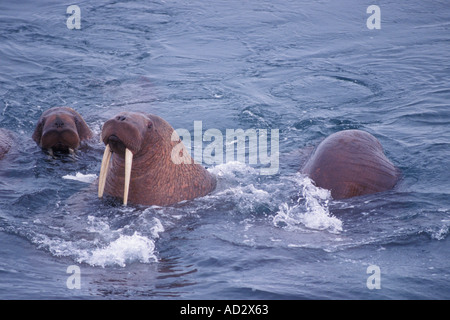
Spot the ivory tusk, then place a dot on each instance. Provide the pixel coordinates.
(50, 152)
(104, 170)
(128, 165)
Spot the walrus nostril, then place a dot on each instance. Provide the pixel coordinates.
(121, 118)
(113, 138)
(59, 123)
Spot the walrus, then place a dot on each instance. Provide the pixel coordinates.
(61, 129)
(351, 163)
(138, 164)
(5, 142)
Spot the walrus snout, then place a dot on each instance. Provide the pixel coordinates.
(60, 139)
(121, 118)
(61, 129)
(121, 134)
(116, 144)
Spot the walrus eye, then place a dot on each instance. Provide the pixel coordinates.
(150, 125)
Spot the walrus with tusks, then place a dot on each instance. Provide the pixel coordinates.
(61, 129)
(138, 164)
(351, 163)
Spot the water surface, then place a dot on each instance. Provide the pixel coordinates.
(308, 69)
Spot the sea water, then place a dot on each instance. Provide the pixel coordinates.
(306, 69)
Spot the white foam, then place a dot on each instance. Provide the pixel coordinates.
(125, 249)
(439, 234)
(246, 197)
(157, 228)
(231, 169)
(236, 182)
(86, 178)
(102, 246)
(310, 210)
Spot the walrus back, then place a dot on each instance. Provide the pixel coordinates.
(351, 163)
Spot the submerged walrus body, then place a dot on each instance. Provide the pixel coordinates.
(138, 165)
(351, 163)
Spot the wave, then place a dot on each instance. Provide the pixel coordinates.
(86, 178)
(103, 234)
(295, 199)
(100, 245)
(246, 209)
(125, 249)
(310, 210)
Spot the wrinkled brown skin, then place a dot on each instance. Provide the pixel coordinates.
(5, 142)
(351, 163)
(155, 178)
(61, 129)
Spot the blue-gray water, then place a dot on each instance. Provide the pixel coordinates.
(307, 68)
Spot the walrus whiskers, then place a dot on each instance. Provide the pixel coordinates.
(104, 170)
(128, 165)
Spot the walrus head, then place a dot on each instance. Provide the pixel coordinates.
(138, 165)
(61, 129)
(123, 135)
(351, 163)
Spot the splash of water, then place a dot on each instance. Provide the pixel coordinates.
(86, 178)
(102, 245)
(125, 249)
(310, 210)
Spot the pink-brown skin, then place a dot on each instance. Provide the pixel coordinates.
(61, 129)
(351, 163)
(5, 142)
(155, 178)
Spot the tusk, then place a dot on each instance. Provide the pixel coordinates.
(50, 152)
(72, 154)
(128, 165)
(104, 170)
